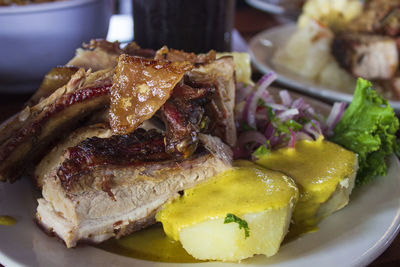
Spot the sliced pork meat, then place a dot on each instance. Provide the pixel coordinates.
(367, 56)
(115, 193)
(25, 138)
(221, 74)
(183, 116)
(209, 72)
(379, 17)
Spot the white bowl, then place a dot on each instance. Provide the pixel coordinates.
(37, 37)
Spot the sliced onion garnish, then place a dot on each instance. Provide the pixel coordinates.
(246, 108)
(292, 119)
(314, 131)
(335, 115)
(276, 106)
(243, 92)
(287, 114)
(285, 97)
(269, 131)
(303, 136)
(262, 85)
(251, 136)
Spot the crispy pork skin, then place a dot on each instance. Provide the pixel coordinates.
(367, 56)
(112, 198)
(209, 72)
(25, 138)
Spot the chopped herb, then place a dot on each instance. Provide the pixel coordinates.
(242, 223)
(313, 124)
(294, 125)
(270, 111)
(262, 150)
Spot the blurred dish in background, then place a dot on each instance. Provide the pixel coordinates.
(291, 8)
(334, 43)
(40, 36)
(24, 2)
(264, 46)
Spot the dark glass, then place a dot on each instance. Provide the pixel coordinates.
(191, 25)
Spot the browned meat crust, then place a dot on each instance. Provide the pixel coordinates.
(118, 150)
(25, 138)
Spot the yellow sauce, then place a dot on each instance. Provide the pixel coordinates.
(317, 168)
(7, 220)
(239, 191)
(149, 244)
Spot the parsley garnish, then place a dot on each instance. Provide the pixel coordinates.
(242, 223)
(262, 150)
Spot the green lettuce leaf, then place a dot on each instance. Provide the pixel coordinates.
(368, 127)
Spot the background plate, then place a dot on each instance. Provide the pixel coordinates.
(261, 56)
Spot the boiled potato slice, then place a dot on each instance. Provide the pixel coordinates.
(214, 240)
(325, 174)
(307, 51)
(261, 198)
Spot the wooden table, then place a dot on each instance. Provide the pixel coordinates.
(249, 22)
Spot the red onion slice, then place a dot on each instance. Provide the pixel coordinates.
(287, 114)
(335, 115)
(286, 98)
(251, 136)
(262, 85)
(243, 92)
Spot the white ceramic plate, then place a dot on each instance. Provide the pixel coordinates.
(262, 58)
(264, 5)
(354, 236)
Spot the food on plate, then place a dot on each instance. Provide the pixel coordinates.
(249, 213)
(119, 191)
(368, 127)
(371, 57)
(100, 183)
(155, 132)
(26, 137)
(362, 43)
(136, 95)
(242, 63)
(334, 14)
(325, 182)
(308, 54)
